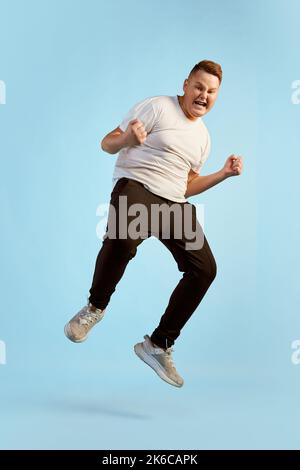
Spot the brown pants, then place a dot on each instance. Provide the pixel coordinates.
(198, 265)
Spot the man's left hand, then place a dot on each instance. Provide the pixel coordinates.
(233, 166)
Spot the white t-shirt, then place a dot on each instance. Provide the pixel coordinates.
(173, 146)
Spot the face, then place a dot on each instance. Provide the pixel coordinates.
(200, 94)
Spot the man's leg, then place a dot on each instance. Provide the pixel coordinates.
(115, 253)
(199, 270)
(110, 266)
(187, 295)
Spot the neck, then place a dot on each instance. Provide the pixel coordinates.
(191, 118)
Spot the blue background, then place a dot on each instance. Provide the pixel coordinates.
(72, 70)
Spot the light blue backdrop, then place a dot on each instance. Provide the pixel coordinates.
(72, 69)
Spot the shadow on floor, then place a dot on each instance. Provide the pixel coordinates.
(95, 407)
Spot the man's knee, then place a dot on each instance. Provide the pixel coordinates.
(213, 269)
(124, 248)
(208, 271)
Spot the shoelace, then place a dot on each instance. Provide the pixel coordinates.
(90, 317)
(167, 353)
(169, 356)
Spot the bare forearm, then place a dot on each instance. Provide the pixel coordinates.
(202, 183)
(113, 143)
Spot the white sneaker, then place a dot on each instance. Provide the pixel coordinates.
(160, 360)
(78, 327)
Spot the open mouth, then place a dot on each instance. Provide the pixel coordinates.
(200, 103)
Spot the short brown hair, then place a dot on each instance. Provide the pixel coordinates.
(208, 66)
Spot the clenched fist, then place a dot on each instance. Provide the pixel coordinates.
(135, 133)
(233, 166)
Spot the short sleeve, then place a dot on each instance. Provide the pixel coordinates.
(144, 111)
(204, 156)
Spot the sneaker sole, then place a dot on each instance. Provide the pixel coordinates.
(141, 353)
(69, 335)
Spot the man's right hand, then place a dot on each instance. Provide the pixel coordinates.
(135, 133)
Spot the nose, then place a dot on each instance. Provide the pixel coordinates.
(203, 95)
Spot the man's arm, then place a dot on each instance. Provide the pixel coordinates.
(114, 141)
(135, 134)
(197, 184)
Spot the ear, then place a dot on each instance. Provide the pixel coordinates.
(185, 84)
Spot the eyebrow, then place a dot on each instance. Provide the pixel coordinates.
(202, 84)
